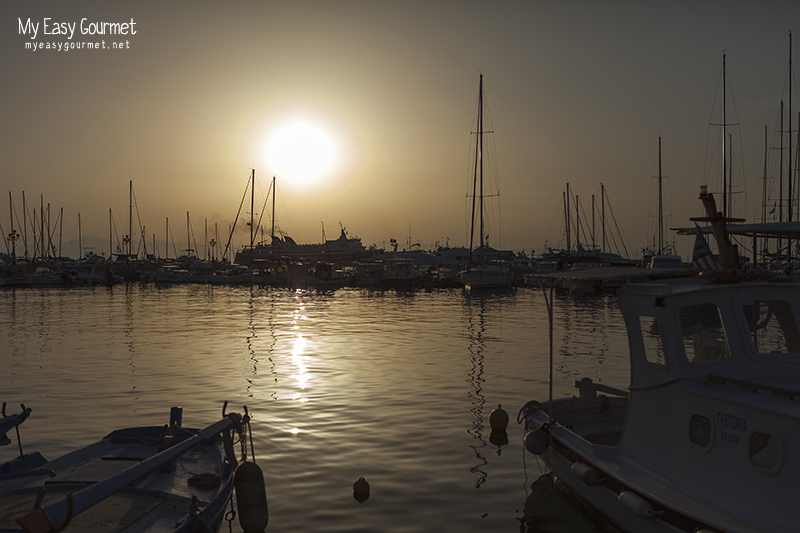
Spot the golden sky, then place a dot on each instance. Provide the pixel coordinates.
(577, 92)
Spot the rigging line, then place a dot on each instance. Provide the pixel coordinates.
(143, 242)
(264, 208)
(172, 239)
(116, 233)
(228, 244)
(616, 225)
(586, 219)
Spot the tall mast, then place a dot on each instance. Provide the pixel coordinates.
(594, 244)
(567, 199)
(764, 178)
(252, 204)
(60, 230)
(110, 236)
(188, 237)
(791, 198)
(166, 241)
(41, 221)
(603, 213)
(80, 239)
(272, 231)
(780, 171)
(660, 204)
(24, 224)
(12, 236)
(577, 224)
(50, 248)
(724, 137)
(480, 140)
(130, 219)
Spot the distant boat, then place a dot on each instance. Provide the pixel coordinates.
(483, 271)
(285, 248)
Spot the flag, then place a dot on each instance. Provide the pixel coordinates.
(702, 259)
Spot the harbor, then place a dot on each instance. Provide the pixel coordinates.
(348, 267)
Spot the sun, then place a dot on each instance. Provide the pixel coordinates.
(301, 152)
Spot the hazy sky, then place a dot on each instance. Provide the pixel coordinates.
(577, 92)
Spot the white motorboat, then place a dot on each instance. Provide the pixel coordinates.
(705, 438)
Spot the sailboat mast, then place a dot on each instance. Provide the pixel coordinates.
(577, 224)
(166, 240)
(764, 178)
(12, 235)
(130, 219)
(724, 137)
(660, 204)
(594, 244)
(60, 230)
(480, 140)
(252, 204)
(25, 224)
(603, 213)
(567, 200)
(791, 198)
(80, 239)
(41, 223)
(272, 231)
(780, 171)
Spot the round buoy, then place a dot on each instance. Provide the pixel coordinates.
(498, 419)
(498, 437)
(251, 498)
(361, 490)
(536, 441)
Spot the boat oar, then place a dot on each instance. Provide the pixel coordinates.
(44, 520)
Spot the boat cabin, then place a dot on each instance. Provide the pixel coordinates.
(714, 400)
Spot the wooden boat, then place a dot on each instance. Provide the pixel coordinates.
(704, 439)
(141, 479)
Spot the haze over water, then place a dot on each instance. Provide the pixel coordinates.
(395, 387)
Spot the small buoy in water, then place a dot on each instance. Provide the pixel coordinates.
(536, 441)
(361, 490)
(251, 498)
(498, 419)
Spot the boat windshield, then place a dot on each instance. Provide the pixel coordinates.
(772, 325)
(704, 336)
(651, 339)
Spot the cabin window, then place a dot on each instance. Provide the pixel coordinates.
(772, 326)
(765, 450)
(651, 338)
(700, 430)
(704, 337)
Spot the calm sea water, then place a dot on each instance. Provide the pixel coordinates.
(395, 387)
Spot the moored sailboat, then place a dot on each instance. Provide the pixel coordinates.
(483, 271)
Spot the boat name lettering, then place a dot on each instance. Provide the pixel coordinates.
(732, 422)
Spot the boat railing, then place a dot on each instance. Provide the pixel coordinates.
(589, 389)
(749, 386)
